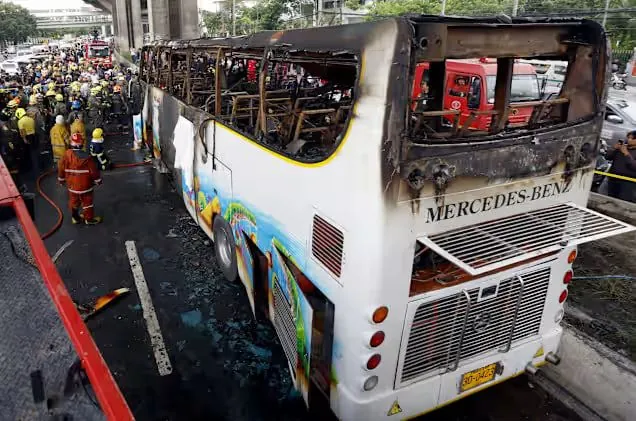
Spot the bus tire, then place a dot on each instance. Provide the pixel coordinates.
(225, 249)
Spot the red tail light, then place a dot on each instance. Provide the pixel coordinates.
(567, 278)
(374, 361)
(563, 296)
(377, 339)
(380, 313)
(572, 256)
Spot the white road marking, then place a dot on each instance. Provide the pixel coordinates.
(152, 324)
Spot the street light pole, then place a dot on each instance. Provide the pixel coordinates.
(515, 7)
(605, 12)
(443, 7)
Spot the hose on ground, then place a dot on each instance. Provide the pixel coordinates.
(602, 277)
(60, 215)
(58, 210)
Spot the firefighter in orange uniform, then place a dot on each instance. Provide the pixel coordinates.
(78, 170)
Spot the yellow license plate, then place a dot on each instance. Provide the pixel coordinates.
(478, 377)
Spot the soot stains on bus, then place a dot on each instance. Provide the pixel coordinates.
(295, 102)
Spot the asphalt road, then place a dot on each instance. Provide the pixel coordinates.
(225, 365)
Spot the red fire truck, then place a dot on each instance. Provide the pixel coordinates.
(98, 52)
(470, 88)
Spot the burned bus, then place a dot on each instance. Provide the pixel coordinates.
(404, 260)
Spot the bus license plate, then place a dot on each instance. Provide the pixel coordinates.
(478, 377)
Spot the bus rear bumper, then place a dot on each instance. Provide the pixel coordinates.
(434, 392)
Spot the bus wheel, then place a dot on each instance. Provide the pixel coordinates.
(225, 248)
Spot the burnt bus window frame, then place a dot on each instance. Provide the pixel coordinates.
(261, 54)
(429, 45)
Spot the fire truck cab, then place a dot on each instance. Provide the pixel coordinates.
(98, 52)
(470, 88)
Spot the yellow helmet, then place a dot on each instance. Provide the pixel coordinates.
(98, 133)
(50, 92)
(33, 99)
(104, 83)
(59, 97)
(36, 88)
(13, 103)
(19, 113)
(52, 85)
(95, 90)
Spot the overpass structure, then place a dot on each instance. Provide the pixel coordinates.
(158, 19)
(84, 17)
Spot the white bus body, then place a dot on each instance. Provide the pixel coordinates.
(335, 239)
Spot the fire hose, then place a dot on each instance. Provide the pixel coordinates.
(58, 210)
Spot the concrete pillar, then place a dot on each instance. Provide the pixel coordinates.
(189, 20)
(120, 20)
(112, 27)
(159, 19)
(135, 21)
(104, 31)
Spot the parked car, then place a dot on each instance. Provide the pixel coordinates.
(620, 118)
(9, 66)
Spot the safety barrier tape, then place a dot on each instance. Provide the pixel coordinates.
(621, 177)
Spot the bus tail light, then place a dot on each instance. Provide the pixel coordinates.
(374, 361)
(567, 278)
(563, 296)
(377, 339)
(370, 383)
(380, 313)
(572, 257)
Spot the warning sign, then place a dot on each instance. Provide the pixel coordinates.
(539, 352)
(395, 409)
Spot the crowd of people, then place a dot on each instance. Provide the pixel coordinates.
(55, 112)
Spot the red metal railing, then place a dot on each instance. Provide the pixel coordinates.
(108, 394)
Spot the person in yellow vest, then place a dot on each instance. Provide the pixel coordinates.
(59, 138)
(26, 127)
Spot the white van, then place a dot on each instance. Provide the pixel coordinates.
(551, 74)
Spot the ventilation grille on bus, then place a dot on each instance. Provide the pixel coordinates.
(284, 324)
(448, 330)
(327, 245)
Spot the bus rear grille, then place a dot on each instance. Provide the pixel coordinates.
(284, 323)
(474, 321)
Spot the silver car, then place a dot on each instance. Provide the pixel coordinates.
(620, 118)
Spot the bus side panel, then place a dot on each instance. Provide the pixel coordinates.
(303, 317)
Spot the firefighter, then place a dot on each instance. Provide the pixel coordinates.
(59, 138)
(119, 110)
(94, 110)
(35, 111)
(60, 106)
(77, 125)
(97, 150)
(11, 151)
(78, 170)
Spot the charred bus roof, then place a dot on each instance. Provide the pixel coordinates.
(437, 146)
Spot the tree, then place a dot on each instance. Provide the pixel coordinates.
(264, 15)
(17, 23)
